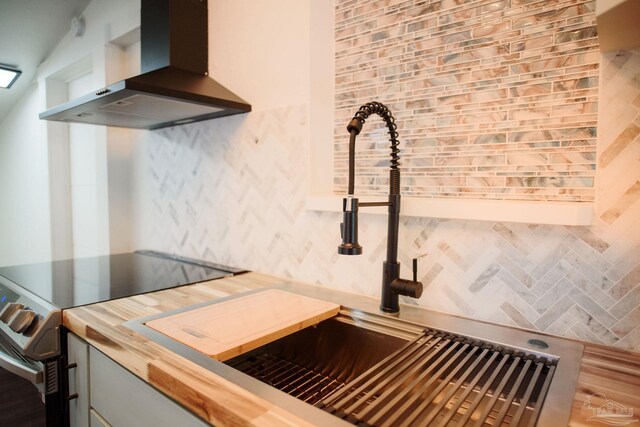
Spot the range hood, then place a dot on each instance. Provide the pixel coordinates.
(174, 87)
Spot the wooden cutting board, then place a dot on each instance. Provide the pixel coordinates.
(227, 329)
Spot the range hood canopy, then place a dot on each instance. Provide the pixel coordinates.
(174, 87)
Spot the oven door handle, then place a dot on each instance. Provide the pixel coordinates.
(20, 368)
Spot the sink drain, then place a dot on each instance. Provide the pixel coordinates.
(538, 344)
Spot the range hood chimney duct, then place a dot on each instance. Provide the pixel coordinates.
(174, 87)
(174, 35)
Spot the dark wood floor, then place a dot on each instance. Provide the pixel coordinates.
(20, 403)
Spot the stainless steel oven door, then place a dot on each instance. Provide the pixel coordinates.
(21, 404)
(19, 365)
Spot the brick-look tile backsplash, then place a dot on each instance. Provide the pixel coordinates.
(493, 99)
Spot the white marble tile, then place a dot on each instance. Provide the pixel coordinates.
(232, 191)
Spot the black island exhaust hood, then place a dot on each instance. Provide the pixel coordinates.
(174, 87)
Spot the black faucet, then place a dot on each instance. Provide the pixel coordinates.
(392, 284)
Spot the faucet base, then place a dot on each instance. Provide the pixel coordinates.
(389, 299)
(388, 311)
(393, 286)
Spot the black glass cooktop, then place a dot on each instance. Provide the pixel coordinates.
(80, 281)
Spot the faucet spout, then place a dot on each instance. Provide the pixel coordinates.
(392, 285)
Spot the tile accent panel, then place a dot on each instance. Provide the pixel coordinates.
(232, 191)
(494, 99)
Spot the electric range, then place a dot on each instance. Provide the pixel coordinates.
(33, 296)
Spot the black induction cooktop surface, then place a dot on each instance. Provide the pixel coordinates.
(80, 281)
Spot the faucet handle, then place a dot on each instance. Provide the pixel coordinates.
(410, 288)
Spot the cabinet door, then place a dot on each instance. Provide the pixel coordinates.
(97, 420)
(78, 354)
(124, 400)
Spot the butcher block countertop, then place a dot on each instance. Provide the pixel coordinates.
(607, 372)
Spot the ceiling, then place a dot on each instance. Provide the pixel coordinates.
(29, 31)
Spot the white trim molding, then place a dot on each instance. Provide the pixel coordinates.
(552, 213)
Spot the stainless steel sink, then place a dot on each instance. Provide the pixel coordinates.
(314, 362)
(371, 369)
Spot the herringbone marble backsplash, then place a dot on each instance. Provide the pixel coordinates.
(232, 191)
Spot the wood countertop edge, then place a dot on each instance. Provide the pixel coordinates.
(209, 396)
(604, 371)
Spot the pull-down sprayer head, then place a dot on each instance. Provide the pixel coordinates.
(349, 228)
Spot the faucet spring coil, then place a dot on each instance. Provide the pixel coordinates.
(394, 183)
(381, 110)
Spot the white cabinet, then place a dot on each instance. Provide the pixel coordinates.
(111, 396)
(121, 399)
(96, 419)
(78, 356)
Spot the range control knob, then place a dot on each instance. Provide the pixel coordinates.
(9, 310)
(21, 320)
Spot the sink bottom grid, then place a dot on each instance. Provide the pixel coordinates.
(287, 376)
(441, 379)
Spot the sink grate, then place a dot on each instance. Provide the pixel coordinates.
(287, 376)
(440, 379)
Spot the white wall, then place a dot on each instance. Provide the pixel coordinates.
(232, 190)
(105, 21)
(30, 147)
(108, 229)
(86, 157)
(24, 191)
(260, 50)
(237, 59)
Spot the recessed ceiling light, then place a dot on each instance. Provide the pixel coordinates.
(8, 76)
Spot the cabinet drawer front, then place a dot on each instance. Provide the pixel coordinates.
(124, 400)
